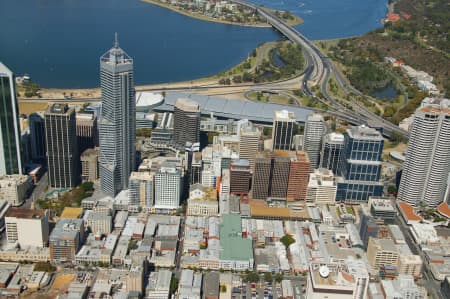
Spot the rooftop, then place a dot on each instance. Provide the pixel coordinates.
(72, 213)
(4, 70)
(25, 213)
(234, 247)
(187, 105)
(334, 137)
(364, 132)
(284, 115)
(444, 209)
(408, 211)
(148, 99)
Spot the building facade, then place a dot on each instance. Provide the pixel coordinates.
(186, 122)
(240, 177)
(322, 187)
(314, 131)
(10, 152)
(87, 131)
(117, 127)
(14, 188)
(427, 164)
(168, 187)
(89, 164)
(62, 151)
(360, 166)
(66, 239)
(298, 177)
(37, 136)
(249, 139)
(142, 189)
(27, 227)
(332, 146)
(283, 130)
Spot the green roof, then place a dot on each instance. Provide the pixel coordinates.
(233, 246)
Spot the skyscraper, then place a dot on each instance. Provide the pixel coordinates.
(249, 143)
(427, 165)
(168, 186)
(332, 145)
(62, 151)
(360, 165)
(240, 177)
(117, 128)
(298, 177)
(87, 131)
(261, 176)
(37, 136)
(283, 130)
(10, 155)
(186, 122)
(314, 130)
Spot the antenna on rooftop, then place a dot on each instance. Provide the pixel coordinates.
(116, 40)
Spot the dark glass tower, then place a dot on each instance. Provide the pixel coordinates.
(10, 155)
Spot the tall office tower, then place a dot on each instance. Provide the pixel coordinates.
(117, 126)
(168, 186)
(10, 155)
(240, 177)
(87, 131)
(298, 177)
(37, 136)
(186, 122)
(280, 174)
(249, 138)
(62, 151)
(142, 189)
(360, 165)
(427, 165)
(261, 176)
(315, 128)
(332, 145)
(283, 130)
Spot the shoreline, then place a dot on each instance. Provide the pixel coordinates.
(297, 20)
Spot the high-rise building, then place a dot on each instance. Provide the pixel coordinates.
(249, 138)
(27, 227)
(186, 122)
(427, 164)
(261, 176)
(117, 127)
(322, 187)
(332, 146)
(62, 151)
(315, 128)
(360, 167)
(368, 229)
(283, 130)
(87, 131)
(240, 177)
(168, 187)
(142, 189)
(89, 164)
(280, 175)
(10, 154)
(37, 136)
(298, 177)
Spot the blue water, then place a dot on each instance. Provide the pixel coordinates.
(389, 92)
(328, 19)
(59, 42)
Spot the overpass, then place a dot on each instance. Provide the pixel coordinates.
(319, 68)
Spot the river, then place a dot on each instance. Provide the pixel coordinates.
(59, 42)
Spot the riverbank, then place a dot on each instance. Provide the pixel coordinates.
(293, 22)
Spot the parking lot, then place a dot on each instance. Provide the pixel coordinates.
(268, 290)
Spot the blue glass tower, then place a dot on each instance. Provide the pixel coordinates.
(360, 166)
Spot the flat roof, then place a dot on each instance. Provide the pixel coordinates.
(234, 108)
(233, 246)
(25, 213)
(71, 213)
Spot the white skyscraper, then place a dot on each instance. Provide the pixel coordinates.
(315, 129)
(427, 165)
(168, 185)
(117, 127)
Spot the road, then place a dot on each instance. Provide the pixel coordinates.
(38, 190)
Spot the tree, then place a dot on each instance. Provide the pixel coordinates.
(45, 267)
(392, 189)
(287, 240)
(223, 288)
(268, 277)
(278, 277)
(252, 277)
(173, 285)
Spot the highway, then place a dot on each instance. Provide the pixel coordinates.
(319, 69)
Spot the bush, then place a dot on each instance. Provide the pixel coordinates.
(287, 240)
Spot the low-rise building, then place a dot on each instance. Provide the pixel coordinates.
(27, 227)
(202, 201)
(65, 239)
(402, 287)
(382, 252)
(98, 222)
(382, 208)
(14, 188)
